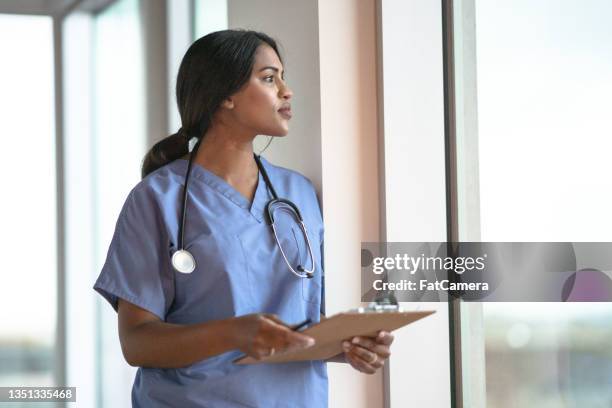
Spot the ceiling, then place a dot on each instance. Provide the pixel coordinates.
(50, 7)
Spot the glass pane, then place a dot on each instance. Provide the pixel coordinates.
(533, 86)
(119, 146)
(548, 354)
(77, 160)
(28, 216)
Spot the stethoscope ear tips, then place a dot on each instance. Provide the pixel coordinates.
(183, 261)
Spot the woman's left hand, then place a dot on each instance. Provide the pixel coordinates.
(368, 354)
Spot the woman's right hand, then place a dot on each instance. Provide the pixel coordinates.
(260, 335)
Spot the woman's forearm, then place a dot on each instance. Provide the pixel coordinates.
(165, 345)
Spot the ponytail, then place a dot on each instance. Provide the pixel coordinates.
(165, 151)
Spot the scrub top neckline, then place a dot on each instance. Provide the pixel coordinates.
(218, 184)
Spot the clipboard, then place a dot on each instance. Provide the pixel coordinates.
(330, 332)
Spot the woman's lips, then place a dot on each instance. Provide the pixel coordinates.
(286, 113)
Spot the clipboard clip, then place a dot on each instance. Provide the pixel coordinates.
(375, 307)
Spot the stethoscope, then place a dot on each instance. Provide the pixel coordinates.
(184, 262)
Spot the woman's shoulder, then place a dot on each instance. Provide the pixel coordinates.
(151, 203)
(287, 175)
(159, 186)
(298, 188)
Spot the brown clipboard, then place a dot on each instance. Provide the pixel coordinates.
(330, 332)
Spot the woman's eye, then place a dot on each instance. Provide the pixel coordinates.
(269, 77)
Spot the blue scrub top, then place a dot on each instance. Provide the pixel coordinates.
(239, 270)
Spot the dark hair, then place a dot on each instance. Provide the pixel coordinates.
(214, 67)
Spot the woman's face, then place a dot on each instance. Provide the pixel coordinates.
(262, 105)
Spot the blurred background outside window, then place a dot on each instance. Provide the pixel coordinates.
(534, 81)
(28, 313)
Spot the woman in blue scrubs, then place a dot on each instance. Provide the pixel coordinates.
(183, 330)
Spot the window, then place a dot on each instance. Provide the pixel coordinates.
(119, 146)
(533, 81)
(28, 219)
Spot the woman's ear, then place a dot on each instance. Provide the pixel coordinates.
(228, 103)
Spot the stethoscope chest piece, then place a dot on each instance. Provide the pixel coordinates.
(183, 261)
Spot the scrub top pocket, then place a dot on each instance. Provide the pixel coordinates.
(274, 287)
(311, 288)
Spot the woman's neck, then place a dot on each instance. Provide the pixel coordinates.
(231, 159)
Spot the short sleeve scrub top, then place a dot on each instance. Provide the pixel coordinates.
(239, 270)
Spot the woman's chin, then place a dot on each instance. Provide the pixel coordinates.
(279, 132)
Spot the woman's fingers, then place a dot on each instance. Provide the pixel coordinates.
(381, 350)
(287, 336)
(358, 363)
(367, 354)
(293, 340)
(275, 334)
(361, 358)
(274, 318)
(384, 337)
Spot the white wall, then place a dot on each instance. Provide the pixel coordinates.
(301, 149)
(347, 41)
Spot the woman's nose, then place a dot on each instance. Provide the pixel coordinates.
(285, 91)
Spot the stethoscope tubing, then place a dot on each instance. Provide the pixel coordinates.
(184, 262)
(306, 273)
(185, 188)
